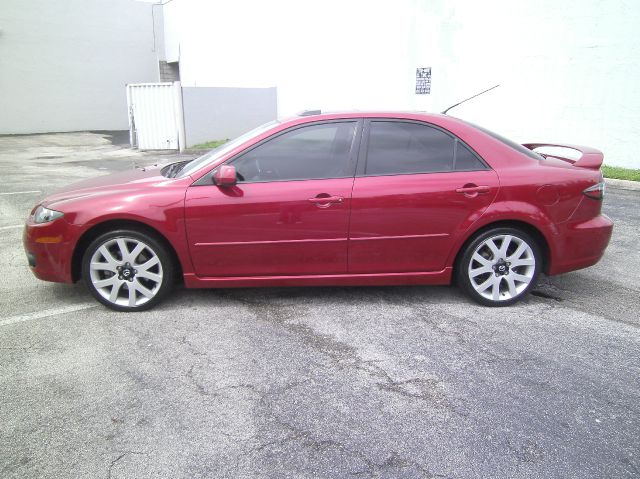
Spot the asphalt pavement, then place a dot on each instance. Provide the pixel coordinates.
(385, 382)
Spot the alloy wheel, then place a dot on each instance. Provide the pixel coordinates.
(502, 267)
(126, 272)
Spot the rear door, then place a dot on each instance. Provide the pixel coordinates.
(417, 186)
(288, 213)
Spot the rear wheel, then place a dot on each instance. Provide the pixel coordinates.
(500, 266)
(127, 270)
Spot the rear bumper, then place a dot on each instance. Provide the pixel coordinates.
(49, 250)
(580, 245)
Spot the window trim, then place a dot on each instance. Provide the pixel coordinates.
(207, 179)
(364, 148)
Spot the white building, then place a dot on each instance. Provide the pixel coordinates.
(567, 69)
(64, 64)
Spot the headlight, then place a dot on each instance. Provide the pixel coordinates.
(44, 215)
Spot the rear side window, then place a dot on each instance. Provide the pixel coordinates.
(311, 152)
(397, 148)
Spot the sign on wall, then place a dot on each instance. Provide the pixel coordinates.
(423, 81)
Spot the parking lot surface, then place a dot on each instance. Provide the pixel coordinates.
(386, 382)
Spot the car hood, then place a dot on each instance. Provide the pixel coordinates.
(109, 184)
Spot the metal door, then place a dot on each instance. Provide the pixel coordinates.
(155, 110)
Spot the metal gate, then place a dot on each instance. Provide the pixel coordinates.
(155, 116)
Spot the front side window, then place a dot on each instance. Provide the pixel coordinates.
(310, 152)
(217, 153)
(398, 148)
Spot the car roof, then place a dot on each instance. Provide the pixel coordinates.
(445, 121)
(422, 115)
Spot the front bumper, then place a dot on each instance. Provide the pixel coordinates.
(49, 250)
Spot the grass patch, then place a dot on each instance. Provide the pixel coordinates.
(620, 173)
(209, 145)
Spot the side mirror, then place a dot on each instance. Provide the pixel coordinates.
(225, 175)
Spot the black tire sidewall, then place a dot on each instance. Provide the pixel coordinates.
(462, 267)
(157, 246)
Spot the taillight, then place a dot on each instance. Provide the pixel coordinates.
(596, 191)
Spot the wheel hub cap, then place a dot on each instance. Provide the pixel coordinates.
(126, 272)
(501, 267)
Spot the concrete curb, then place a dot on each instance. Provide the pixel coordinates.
(622, 184)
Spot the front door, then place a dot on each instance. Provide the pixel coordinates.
(289, 212)
(417, 186)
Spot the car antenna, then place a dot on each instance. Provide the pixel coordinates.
(477, 94)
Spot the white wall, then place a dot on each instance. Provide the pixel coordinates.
(568, 71)
(567, 68)
(64, 64)
(224, 112)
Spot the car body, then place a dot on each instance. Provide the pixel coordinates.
(339, 199)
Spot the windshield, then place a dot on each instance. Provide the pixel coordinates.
(194, 165)
(510, 143)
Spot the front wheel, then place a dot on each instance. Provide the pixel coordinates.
(127, 270)
(499, 267)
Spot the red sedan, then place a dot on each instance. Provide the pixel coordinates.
(330, 199)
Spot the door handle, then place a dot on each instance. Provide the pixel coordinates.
(324, 201)
(473, 190)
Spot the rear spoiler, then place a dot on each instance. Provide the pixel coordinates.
(590, 158)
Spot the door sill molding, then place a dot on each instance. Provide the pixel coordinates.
(368, 279)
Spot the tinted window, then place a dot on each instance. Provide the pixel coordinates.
(398, 148)
(311, 152)
(466, 160)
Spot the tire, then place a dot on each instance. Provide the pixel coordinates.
(122, 281)
(499, 266)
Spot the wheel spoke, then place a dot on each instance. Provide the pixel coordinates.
(504, 247)
(148, 264)
(149, 275)
(124, 251)
(106, 254)
(494, 249)
(106, 282)
(523, 262)
(132, 294)
(113, 296)
(98, 266)
(136, 252)
(481, 259)
(485, 284)
(517, 254)
(520, 277)
(495, 288)
(482, 270)
(512, 286)
(147, 292)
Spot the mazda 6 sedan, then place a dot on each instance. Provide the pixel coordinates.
(331, 199)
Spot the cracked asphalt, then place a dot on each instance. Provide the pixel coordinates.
(387, 382)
